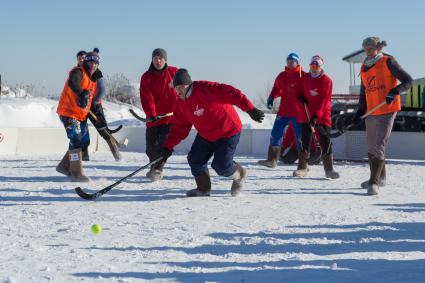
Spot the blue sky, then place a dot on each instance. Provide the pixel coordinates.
(242, 43)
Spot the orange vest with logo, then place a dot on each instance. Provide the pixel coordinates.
(378, 82)
(68, 102)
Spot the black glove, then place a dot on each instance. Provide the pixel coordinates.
(313, 121)
(391, 96)
(165, 153)
(153, 118)
(83, 98)
(302, 99)
(358, 116)
(256, 114)
(269, 103)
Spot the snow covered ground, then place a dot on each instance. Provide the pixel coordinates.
(282, 229)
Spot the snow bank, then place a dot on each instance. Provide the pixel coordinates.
(41, 112)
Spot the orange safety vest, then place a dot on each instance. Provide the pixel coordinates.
(68, 102)
(378, 81)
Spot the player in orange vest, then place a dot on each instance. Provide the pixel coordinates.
(73, 108)
(379, 82)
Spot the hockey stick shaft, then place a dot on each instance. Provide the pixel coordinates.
(149, 119)
(368, 113)
(316, 141)
(103, 191)
(108, 133)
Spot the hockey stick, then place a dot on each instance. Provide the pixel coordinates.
(109, 133)
(149, 119)
(103, 191)
(339, 132)
(316, 141)
(114, 130)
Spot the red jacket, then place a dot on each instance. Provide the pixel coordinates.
(157, 97)
(288, 86)
(209, 108)
(318, 92)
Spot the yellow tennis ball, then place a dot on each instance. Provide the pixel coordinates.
(96, 228)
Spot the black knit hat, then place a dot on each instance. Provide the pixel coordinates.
(182, 77)
(160, 52)
(81, 53)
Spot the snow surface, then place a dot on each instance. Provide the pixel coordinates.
(282, 229)
(41, 112)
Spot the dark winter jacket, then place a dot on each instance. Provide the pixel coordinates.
(209, 108)
(157, 96)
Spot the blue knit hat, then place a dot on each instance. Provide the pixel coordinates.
(293, 56)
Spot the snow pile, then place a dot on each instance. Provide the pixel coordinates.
(41, 112)
(7, 92)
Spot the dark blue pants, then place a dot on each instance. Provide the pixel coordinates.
(279, 127)
(77, 132)
(223, 151)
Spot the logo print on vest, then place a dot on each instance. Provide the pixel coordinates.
(371, 84)
(314, 92)
(199, 111)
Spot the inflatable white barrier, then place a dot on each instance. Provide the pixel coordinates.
(350, 146)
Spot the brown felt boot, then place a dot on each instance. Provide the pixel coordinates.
(302, 169)
(272, 157)
(63, 166)
(203, 187)
(155, 173)
(328, 166)
(382, 179)
(76, 166)
(239, 178)
(114, 149)
(375, 175)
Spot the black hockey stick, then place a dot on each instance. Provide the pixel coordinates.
(114, 130)
(103, 191)
(108, 132)
(339, 132)
(148, 119)
(315, 159)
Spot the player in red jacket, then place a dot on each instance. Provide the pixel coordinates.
(158, 97)
(287, 86)
(315, 113)
(208, 106)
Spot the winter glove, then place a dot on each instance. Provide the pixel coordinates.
(83, 98)
(391, 96)
(165, 153)
(256, 114)
(358, 116)
(269, 102)
(313, 121)
(153, 118)
(302, 99)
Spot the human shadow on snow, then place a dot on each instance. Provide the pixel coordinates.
(328, 242)
(406, 207)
